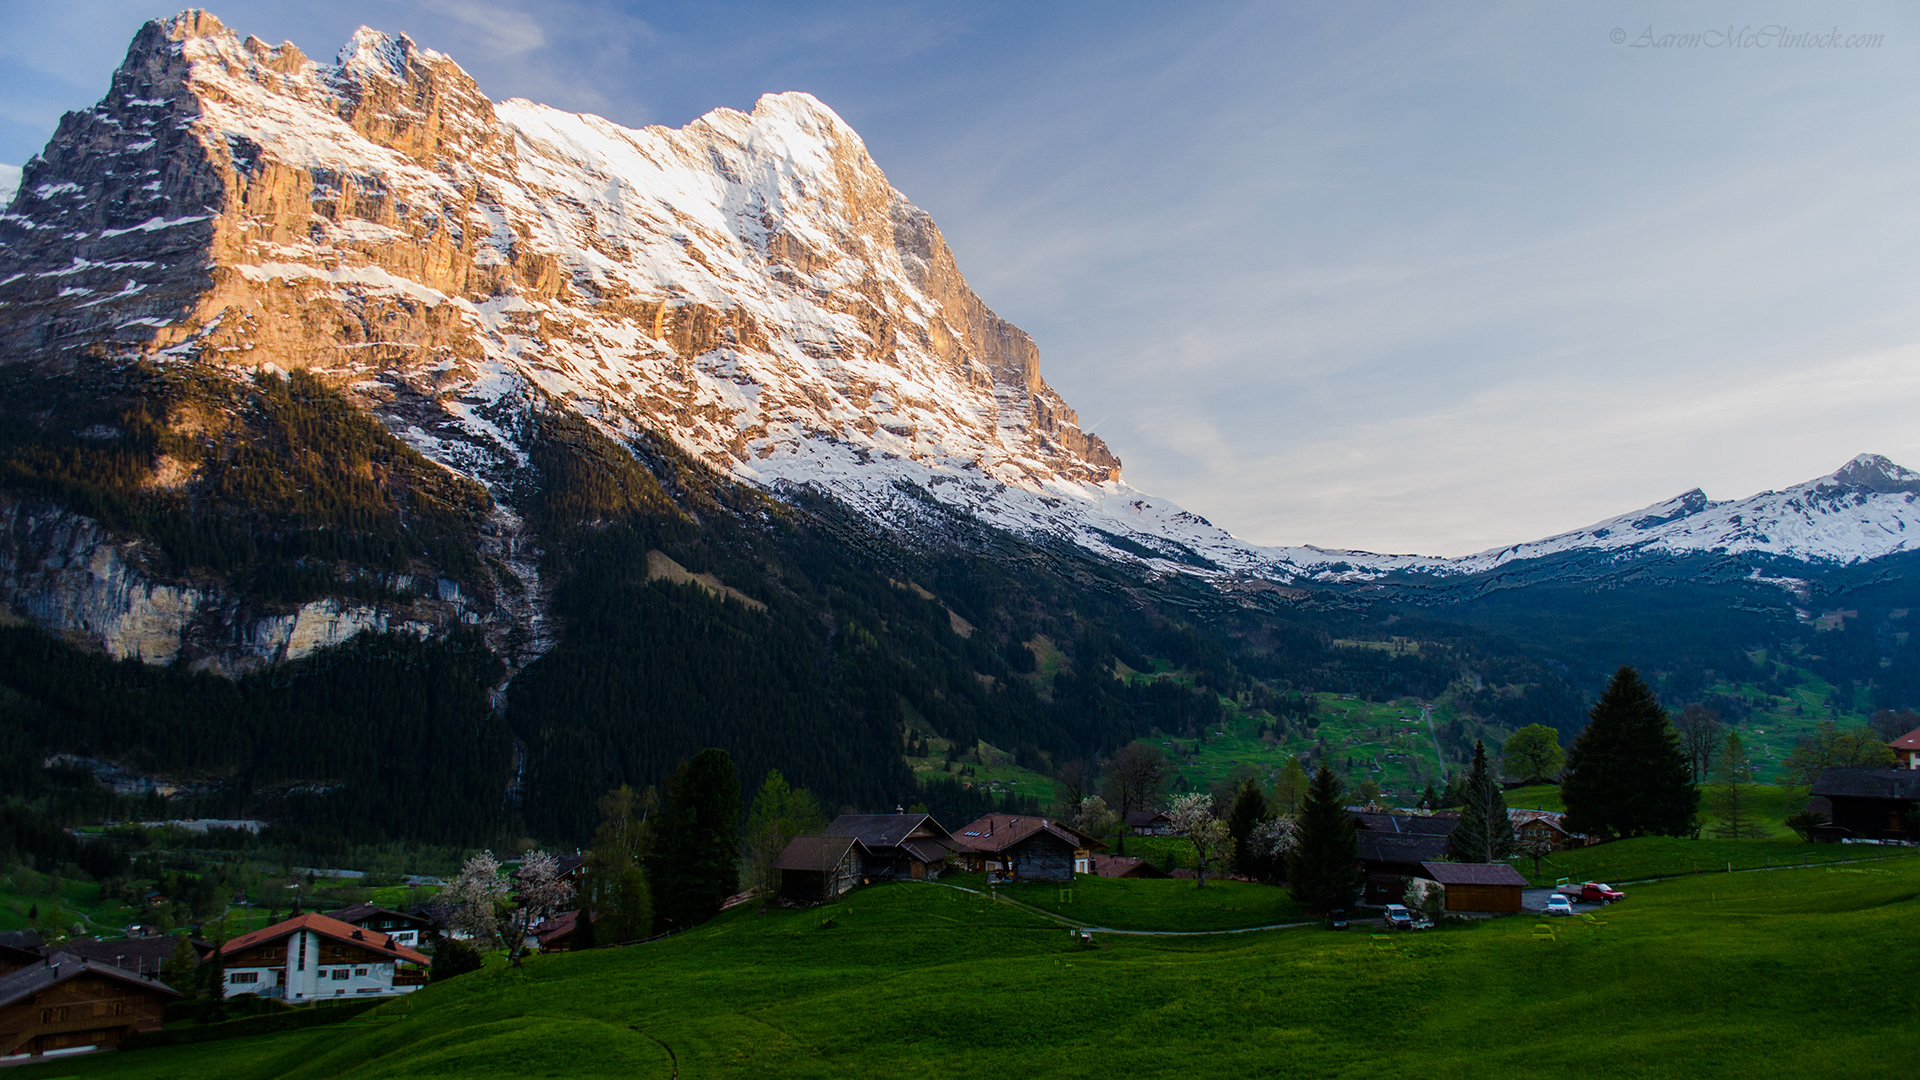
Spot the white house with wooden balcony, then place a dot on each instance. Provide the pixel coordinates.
(316, 958)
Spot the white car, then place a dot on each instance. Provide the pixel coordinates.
(1559, 905)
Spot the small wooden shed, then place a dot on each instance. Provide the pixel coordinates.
(814, 869)
(1478, 887)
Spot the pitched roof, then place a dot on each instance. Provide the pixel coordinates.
(1909, 741)
(21, 939)
(19, 985)
(326, 926)
(878, 831)
(1125, 866)
(138, 955)
(1462, 873)
(1145, 817)
(353, 913)
(1550, 818)
(816, 853)
(1406, 824)
(1902, 784)
(1384, 847)
(997, 832)
(557, 927)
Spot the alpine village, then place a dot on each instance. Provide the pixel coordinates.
(489, 592)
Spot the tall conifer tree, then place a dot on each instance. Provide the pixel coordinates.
(695, 862)
(1484, 834)
(1325, 866)
(1626, 774)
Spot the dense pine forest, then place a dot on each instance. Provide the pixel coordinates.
(828, 649)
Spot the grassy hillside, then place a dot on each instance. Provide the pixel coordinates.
(1742, 975)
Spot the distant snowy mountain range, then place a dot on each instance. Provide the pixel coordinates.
(749, 285)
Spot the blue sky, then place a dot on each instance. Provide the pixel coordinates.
(1367, 275)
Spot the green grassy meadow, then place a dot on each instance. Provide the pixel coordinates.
(1174, 904)
(1717, 975)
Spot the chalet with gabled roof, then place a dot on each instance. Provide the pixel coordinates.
(1906, 750)
(1026, 848)
(814, 869)
(1869, 804)
(1149, 823)
(899, 844)
(406, 929)
(1392, 848)
(1546, 826)
(315, 957)
(66, 1004)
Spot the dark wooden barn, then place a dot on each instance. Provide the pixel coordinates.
(817, 868)
(1392, 848)
(1869, 804)
(898, 844)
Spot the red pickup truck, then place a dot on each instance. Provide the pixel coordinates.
(1591, 892)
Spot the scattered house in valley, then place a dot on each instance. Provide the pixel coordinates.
(556, 934)
(1546, 825)
(1868, 804)
(1393, 848)
(405, 928)
(1026, 848)
(311, 957)
(1125, 866)
(1149, 823)
(899, 844)
(1906, 750)
(18, 949)
(66, 1004)
(1478, 887)
(814, 869)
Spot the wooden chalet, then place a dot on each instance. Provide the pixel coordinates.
(18, 949)
(311, 957)
(1545, 825)
(815, 869)
(1906, 750)
(1026, 848)
(1394, 847)
(67, 1005)
(1149, 823)
(1869, 804)
(1478, 887)
(1125, 866)
(899, 844)
(403, 927)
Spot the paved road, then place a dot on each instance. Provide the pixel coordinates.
(1535, 900)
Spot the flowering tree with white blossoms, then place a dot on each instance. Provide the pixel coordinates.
(1193, 818)
(475, 898)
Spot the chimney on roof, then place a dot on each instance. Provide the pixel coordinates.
(898, 809)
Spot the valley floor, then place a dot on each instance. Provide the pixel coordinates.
(1787, 973)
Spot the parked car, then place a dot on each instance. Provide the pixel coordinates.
(1557, 904)
(1398, 917)
(1337, 919)
(1593, 892)
(1421, 922)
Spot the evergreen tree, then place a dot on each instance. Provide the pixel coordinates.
(695, 862)
(1626, 774)
(1732, 776)
(1484, 834)
(780, 813)
(1325, 865)
(180, 970)
(616, 882)
(1290, 791)
(1244, 815)
(583, 931)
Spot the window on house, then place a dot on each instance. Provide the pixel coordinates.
(359, 971)
(340, 974)
(244, 977)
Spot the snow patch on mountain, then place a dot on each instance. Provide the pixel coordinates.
(9, 183)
